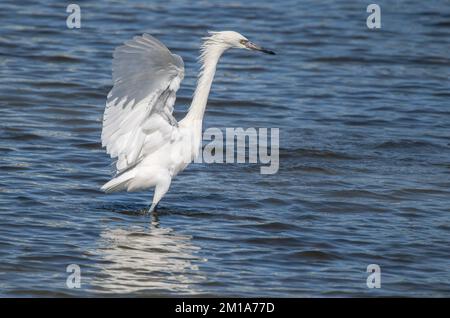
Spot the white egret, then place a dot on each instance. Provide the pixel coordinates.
(139, 129)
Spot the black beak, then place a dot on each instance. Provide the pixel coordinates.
(252, 46)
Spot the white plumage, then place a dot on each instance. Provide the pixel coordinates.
(139, 130)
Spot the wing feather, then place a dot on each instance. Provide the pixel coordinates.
(138, 115)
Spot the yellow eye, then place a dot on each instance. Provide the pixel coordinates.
(243, 42)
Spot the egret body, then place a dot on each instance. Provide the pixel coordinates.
(139, 130)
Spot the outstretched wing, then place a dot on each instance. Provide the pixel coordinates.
(138, 115)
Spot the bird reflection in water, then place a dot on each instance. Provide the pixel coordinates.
(153, 260)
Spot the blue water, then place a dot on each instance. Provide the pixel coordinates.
(364, 123)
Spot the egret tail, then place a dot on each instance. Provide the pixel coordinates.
(120, 183)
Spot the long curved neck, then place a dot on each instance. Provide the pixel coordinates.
(209, 57)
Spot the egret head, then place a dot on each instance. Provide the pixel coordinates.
(231, 39)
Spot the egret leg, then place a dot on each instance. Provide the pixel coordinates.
(160, 190)
(152, 208)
